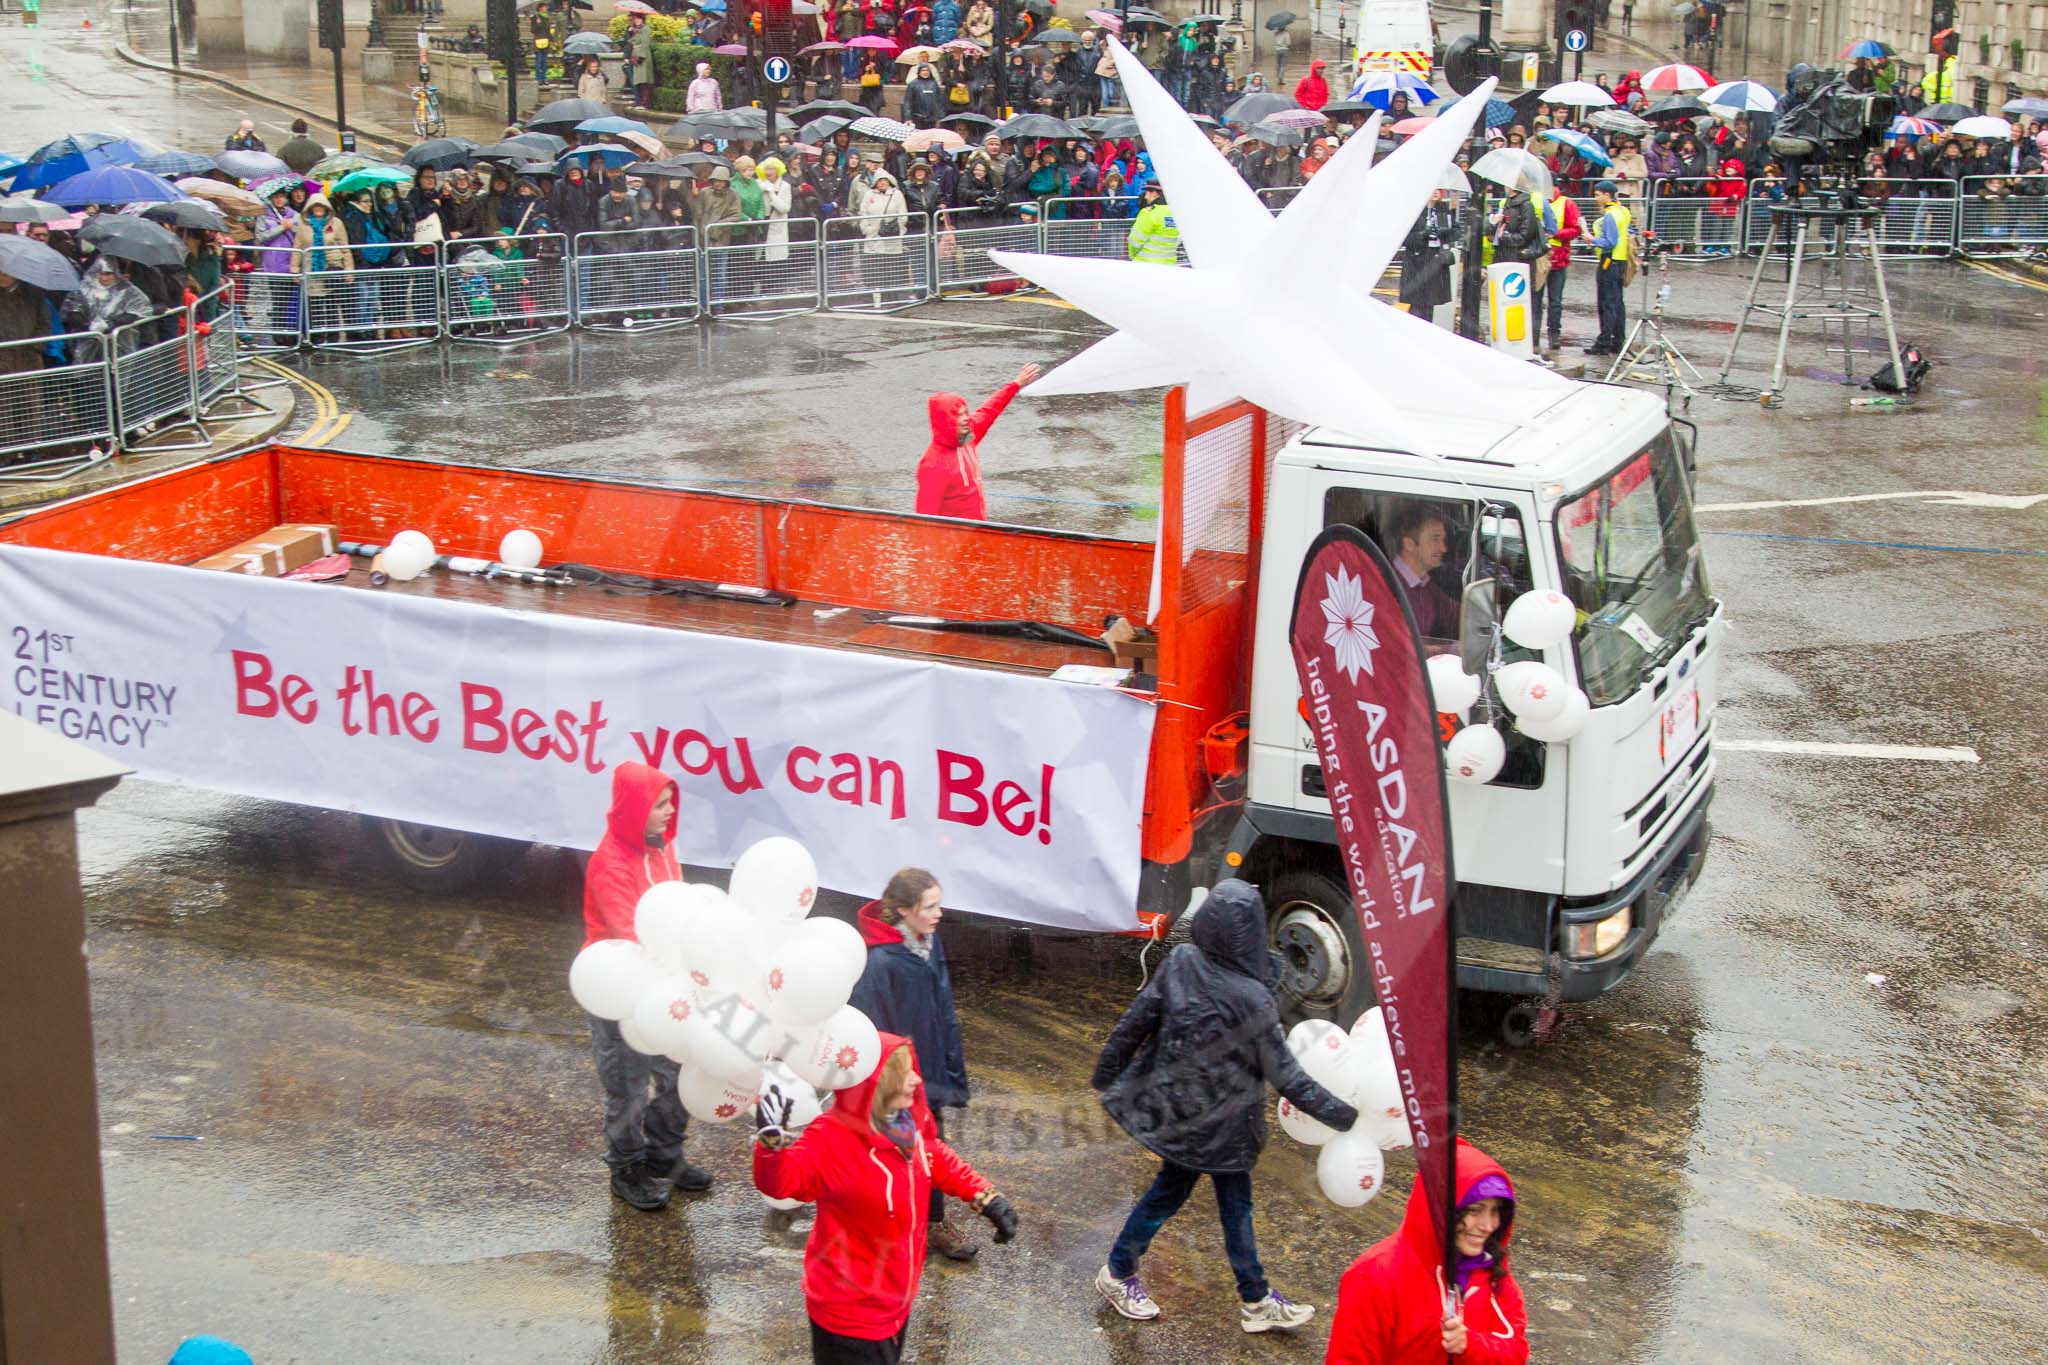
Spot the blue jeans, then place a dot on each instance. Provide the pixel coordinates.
(540, 65)
(1108, 90)
(1171, 1190)
(849, 64)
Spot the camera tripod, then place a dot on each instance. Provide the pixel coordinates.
(1650, 345)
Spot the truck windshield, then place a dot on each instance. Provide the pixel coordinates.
(1632, 562)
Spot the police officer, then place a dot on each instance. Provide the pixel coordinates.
(1154, 240)
(1612, 239)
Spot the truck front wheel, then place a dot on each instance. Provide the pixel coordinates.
(428, 858)
(1309, 922)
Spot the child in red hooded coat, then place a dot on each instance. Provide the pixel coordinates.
(949, 475)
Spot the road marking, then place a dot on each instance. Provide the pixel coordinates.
(326, 408)
(1941, 497)
(1884, 544)
(1806, 748)
(951, 322)
(340, 425)
(1997, 274)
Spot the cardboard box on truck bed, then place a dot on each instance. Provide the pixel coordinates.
(274, 553)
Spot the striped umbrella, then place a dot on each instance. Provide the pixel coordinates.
(1905, 125)
(1740, 97)
(886, 129)
(1676, 76)
(1377, 89)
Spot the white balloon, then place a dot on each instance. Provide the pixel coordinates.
(1350, 1170)
(808, 1105)
(1531, 689)
(710, 1099)
(845, 940)
(776, 879)
(662, 1015)
(408, 560)
(717, 942)
(729, 1038)
(608, 977)
(520, 549)
(1475, 755)
(661, 922)
(1540, 619)
(805, 977)
(1451, 687)
(842, 1051)
(636, 1040)
(1301, 1127)
(418, 538)
(1377, 1083)
(1324, 1052)
(1567, 725)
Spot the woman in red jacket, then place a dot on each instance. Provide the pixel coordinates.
(1390, 1304)
(949, 475)
(869, 1163)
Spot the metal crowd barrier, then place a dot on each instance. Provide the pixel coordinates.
(961, 250)
(1697, 223)
(748, 276)
(45, 402)
(498, 299)
(1919, 219)
(1278, 197)
(155, 391)
(880, 263)
(638, 280)
(2011, 224)
(1093, 228)
(267, 309)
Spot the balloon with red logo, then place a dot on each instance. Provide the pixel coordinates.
(710, 1099)
(660, 1020)
(807, 975)
(1324, 1051)
(842, 1051)
(777, 879)
(1350, 1169)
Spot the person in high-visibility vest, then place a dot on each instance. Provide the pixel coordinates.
(1938, 86)
(1612, 238)
(1154, 239)
(1566, 227)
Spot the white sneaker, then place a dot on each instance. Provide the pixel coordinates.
(1127, 1296)
(1274, 1313)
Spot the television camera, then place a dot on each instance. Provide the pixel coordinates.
(1825, 127)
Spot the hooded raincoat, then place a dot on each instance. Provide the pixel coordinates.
(1312, 91)
(1390, 1303)
(865, 1256)
(949, 475)
(1185, 1070)
(625, 864)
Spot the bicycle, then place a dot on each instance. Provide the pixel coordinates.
(427, 120)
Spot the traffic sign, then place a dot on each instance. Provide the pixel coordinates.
(1575, 40)
(777, 70)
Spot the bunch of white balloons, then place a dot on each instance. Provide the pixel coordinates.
(1544, 705)
(738, 985)
(1358, 1068)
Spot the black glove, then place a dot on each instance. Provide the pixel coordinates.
(998, 1211)
(772, 1113)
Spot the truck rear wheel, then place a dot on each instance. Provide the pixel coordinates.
(428, 858)
(1309, 922)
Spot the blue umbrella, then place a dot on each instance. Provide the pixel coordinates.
(9, 164)
(67, 156)
(612, 123)
(712, 6)
(606, 152)
(112, 185)
(1866, 47)
(1741, 97)
(1499, 113)
(1588, 148)
(173, 164)
(1377, 89)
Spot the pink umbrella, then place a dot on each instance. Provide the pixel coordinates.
(1407, 127)
(633, 7)
(731, 49)
(963, 45)
(875, 41)
(1108, 19)
(1299, 118)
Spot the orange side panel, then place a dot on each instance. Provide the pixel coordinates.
(176, 517)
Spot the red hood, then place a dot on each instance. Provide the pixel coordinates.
(852, 1105)
(875, 931)
(945, 411)
(1416, 1232)
(635, 789)
(1315, 68)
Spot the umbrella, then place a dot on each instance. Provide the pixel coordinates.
(370, 177)
(611, 123)
(1200, 19)
(531, 168)
(168, 164)
(10, 164)
(1377, 88)
(845, 108)
(1275, 135)
(886, 129)
(194, 214)
(1516, 169)
(1588, 148)
(1984, 126)
(633, 7)
(1455, 181)
(440, 154)
(818, 129)
(231, 198)
(610, 153)
(1260, 104)
(249, 165)
(1288, 118)
(1280, 18)
(67, 156)
(1339, 108)
(1947, 113)
(2025, 107)
(1870, 48)
(924, 139)
(1109, 19)
(978, 120)
(112, 185)
(1620, 121)
(911, 56)
(566, 113)
(1738, 97)
(1116, 125)
(731, 49)
(1035, 125)
(589, 45)
(966, 45)
(30, 211)
(1675, 77)
(815, 48)
(1578, 94)
(1672, 108)
(1905, 125)
(1409, 127)
(35, 263)
(1150, 20)
(1060, 37)
(133, 239)
(1499, 113)
(539, 146)
(340, 164)
(874, 41)
(711, 6)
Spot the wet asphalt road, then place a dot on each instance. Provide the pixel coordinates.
(1747, 1152)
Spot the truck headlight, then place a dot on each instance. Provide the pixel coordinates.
(1600, 937)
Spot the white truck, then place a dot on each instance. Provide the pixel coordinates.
(1396, 35)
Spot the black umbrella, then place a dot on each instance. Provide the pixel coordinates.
(171, 165)
(817, 107)
(1339, 108)
(978, 120)
(1280, 18)
(1673, 108)
(441, 153)
(567, 113)
(1117, 125)
(525, 147)
(133, 239)
(1042, 9)
(195, 215)
(1060, 37)
(1258, 106)
(818, 129)
(1138, 20)
(35, 263)
(1946, 113)
(1204, 120)
(589, 45)
(1035, 125)
(1277, 135)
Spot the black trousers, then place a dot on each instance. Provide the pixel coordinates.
(829, 1348)
(1613, 309)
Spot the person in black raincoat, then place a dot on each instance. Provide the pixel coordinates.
(922, 98)
(1185, 1072)
(573, 204)
(1426, 256)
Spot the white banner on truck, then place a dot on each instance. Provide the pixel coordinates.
(1022, 794)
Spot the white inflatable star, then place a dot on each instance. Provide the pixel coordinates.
(1280, 311)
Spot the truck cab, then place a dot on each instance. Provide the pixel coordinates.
(1568, 862)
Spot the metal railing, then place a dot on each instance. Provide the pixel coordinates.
(1700, 217)
(880, 263)
(960, 252)
(267, 294)
(763, 269)
(1096, 228)
(639, 280)
(2003, 215)
(512, 288)
(50, 398)
(1919, 218)
(155, 393)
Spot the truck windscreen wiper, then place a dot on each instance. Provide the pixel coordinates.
(1043, 631)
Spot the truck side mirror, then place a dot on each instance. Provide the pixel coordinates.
(1476, 626)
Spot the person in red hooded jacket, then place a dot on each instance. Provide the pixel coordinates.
(869, 1163)
(1312, 91)
(949, 475)
(643, 1135)
(1390, 1303)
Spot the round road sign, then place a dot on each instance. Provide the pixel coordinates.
(776, 70)
(1575, 40)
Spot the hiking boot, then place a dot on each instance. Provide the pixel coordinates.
(948, 1242)
(1128, 1296)
(687, 1179)
(1274, 1313)
(638, 1186)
